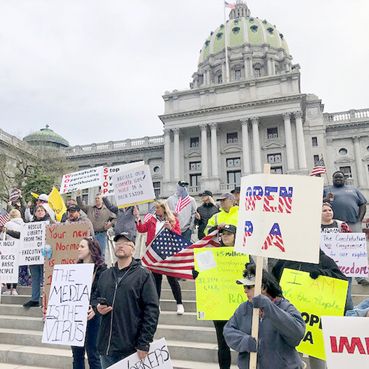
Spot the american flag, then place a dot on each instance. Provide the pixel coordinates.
(183, 201)
(274, 239)
(319, 168)
(172, 255)
(149, 215)
(229, 5)
(4, 218)
(15, 194)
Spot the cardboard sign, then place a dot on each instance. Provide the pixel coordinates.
(9, 261)
(107, 188)
(86, 178)
(349, 252)
(32, 242)
(272, 215)
(133, 187)
(68, 304)
(157, 358)
(217, 294)
(314, 298)
(346, 341)
(62, 241)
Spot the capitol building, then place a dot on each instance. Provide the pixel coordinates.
(243, 108)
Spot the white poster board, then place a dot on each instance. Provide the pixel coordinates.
(279, 217)
(69, 300)
(158, 358)
(9, 261)
(346, 341)
(133, 187)
(31, 243)
(107, 188)
(86, 178)
(349, 252)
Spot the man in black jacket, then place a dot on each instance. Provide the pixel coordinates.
(205, 212)
(129, 305)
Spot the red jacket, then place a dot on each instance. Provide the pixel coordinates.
(150, 228)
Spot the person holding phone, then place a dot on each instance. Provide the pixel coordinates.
(89, 251)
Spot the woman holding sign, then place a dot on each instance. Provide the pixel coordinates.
(89, 251)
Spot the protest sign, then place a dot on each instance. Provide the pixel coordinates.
(217, 294)
(271, 218)
(9, 257)
(68, 303)
(86, 178)
(32, 241)
(107, 188)
(346, 341)
(349, 252)
(133, 187)
(157, 358)
(314, 298)
(62, 241)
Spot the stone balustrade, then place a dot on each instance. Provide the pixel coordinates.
(346, 116)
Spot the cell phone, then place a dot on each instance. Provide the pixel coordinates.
(102, 301)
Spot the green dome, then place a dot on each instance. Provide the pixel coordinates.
(243, 31)
(46, 137)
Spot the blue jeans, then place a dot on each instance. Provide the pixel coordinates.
(101, 237)
(90, 347)
(37, 274)
(360, 310)
(109, 360)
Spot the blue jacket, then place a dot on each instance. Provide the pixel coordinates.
(281, 330)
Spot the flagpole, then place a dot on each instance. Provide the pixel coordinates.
(226, 44)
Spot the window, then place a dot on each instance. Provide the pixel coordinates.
(85, 196)
(237, 74)
(270, 30)
(195, 180)
(254, 28)
(156, 169)
(274, 158)
(316, 159)
(232, 137)
(234, 178)
(272, 133)
(276, 170)
(220, 78)
(200, 79)
(156, 186)
(346, 171)
(257, 70)
(233, 162)
(314, 141)
(194, 142)
(195, 165)
(342, 151)
(236, 30)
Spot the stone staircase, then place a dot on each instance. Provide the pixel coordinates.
(192, 343)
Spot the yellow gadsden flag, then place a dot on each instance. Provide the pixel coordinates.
(56, 203)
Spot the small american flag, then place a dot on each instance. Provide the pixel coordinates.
(229, 5)
(172, 255)
(183, 201)
(319, 168)
(149, 215)
(4, 218)
(15, 194)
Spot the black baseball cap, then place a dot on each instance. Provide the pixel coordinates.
(183, 183)
(74, 208)
(128, 235)
(229, 228)
(206, 193)
(237, 189)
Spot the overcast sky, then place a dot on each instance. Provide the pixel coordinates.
(95, 70)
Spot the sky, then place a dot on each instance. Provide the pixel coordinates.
(96, 70)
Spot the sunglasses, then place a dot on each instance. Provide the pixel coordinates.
(248, 287)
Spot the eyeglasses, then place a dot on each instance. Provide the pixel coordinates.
(248, 287)
(121, 243)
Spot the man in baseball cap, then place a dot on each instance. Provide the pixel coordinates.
(205, 212)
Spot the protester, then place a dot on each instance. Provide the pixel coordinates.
(131, 311)
(89, 252)
(348, 204)
(281, 326)
(205, 212)
(69, 203)
(19, 204)
(184, 207)
(228, 214)
(236, 193)
(74, 216)
(37, 271)
(43, 200)
(100, 217)
(163, 218)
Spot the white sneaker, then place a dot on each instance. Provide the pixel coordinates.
(14, 292)
(180, 309)
(7, 293)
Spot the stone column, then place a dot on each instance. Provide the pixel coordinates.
(245, 147)
(214, 150)
(256, 142)
(358, 162)
(289, 145)
(167, 155)
(204, 151)
(300, 141)
(176, 154)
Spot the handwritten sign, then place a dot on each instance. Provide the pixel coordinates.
(32, 241)
(314, 298)
(349, 252)
(86, 178)
(107, 188)
(9, 261)
(68, 303)
(157, 358)
(217, 294)
(271, 214)
(346, 342)
(133, 187)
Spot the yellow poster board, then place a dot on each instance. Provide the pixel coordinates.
(217, 294)
(314, 298)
